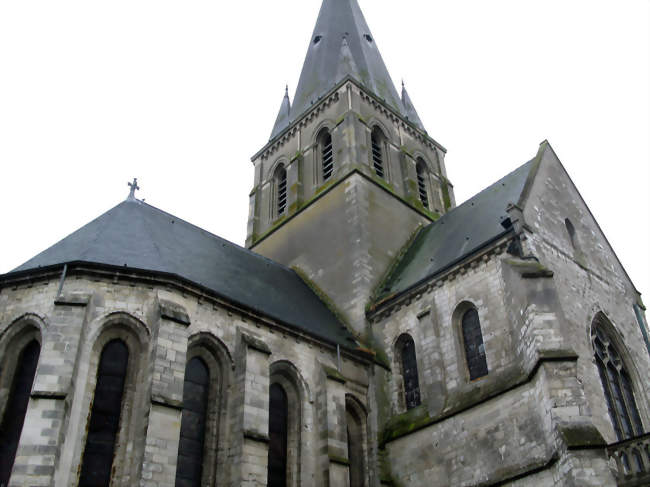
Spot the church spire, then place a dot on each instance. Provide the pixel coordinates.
(342, 45)
(282, 121)
(409, 109)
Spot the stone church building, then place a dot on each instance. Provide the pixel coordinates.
(372, 332)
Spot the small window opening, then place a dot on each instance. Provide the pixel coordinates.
(281, 188)
(377, 140)
(406, 348)
(571, 231)
(278, 437)
(474, 346)
(327, 155)
(422, 184)
(317, 39)
(368, 38)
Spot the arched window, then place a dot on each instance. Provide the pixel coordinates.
(616, 385)
(422, 175)
(406, 353)
(16, 408)
(278, 428)
(356, 433)
(105, 415)
(193, 424)
(280, 190)
(377, 139)
(326, 154)
(474, 347)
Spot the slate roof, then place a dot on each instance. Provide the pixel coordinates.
(341, 46)
(457, 234)
(139, 236)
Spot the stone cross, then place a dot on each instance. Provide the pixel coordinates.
(134, 187)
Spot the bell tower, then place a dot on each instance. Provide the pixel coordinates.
(349, 174)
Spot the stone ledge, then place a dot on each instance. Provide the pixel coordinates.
(255, 344)
(56, 395)
(255, 436)
(159, 400)
(334, 374)
(73, 299)
(174, 312)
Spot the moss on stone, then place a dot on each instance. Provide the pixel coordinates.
(334, 374)
(580, 435)
(446, 198)
(403, 424)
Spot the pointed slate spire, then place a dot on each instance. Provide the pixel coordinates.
(282, 121)
(409, 109)
(329, 61)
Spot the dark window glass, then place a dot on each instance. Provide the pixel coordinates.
(195, 402)
(278, 419)
(327, 155)
(281, 184)
(105, 416)
(410, 372)
(617, 386)
(422, 184)
(377, 152)
(474, 348)
(16, 408)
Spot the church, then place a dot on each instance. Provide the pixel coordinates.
(371, 333)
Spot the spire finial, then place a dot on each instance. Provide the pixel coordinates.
(134, 187)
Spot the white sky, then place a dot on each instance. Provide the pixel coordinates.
(181, 94)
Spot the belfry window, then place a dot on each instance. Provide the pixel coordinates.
(105, 416)
(617, 385)
(422, 175)
(16, 408)
(193, 424)
(278, 436)
(406, 352)
(326, 153)
(377, 142)
(474, 346)
(281, 190)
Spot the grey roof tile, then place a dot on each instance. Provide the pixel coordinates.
(325, 65)
(139, 236)
(456, 235)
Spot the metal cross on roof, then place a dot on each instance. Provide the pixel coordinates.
(134, 187)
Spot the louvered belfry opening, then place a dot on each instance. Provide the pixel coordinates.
(327, 154)
(189, 469)
(16, 408)
(617, 386)
(278, 436)
(105, 416)
(406, 347)
(281, 185)
(474, 347)
(421, 170)
(377, 141)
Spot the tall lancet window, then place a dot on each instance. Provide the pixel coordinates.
(326, 154)
(406, 352)
(105, 416)
(281, 190)
(617, 385)
(16, 408)
(377, 142)
(278, 436)
(422, 175)
(193, 424)
(474, 347)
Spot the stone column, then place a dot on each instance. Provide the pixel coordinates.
(337, 436)
(166, 405)
(42, 436)
(254, 405)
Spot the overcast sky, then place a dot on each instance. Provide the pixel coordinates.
(181, 94)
